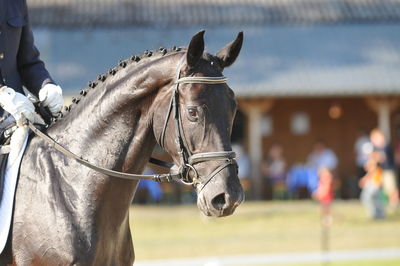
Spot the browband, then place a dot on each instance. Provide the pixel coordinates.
(203, 80)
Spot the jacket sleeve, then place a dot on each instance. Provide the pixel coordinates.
(1, 81)
(32, 70)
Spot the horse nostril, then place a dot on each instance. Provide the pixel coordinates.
(219, 201)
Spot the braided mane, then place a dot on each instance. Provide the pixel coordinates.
(102, 79)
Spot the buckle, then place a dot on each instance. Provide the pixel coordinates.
(185, 175)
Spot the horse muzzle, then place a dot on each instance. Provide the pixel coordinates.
(219, 192)
(219, 204)
(222, 195)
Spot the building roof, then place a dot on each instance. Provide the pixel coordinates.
(323, 60)
(280, 61)
(78, 13)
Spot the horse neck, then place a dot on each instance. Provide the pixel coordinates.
(111, 127)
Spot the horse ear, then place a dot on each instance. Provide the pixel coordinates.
(195, 49)
(230, 52)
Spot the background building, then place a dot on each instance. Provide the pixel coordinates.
(309, 69)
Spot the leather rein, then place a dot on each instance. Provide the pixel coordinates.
(187, 173)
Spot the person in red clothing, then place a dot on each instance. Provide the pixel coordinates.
(324, 193)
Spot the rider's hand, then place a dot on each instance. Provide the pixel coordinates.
(51, 96)
(18, 105)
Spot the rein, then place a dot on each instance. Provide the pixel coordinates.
(187, 159)
(156, 177)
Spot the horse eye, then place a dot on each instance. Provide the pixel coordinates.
(193, 112)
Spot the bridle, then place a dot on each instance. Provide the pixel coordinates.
(187, 172)
(187, 159)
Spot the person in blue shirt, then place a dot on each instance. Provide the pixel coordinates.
(322, 157)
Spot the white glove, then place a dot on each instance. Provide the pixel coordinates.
(51, 96)
(18, 105)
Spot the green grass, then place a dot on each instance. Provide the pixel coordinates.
(348, 263)
(162, 232)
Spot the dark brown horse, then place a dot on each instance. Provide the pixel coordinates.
(68, 214)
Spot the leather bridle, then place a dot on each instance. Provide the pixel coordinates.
(187, 172)
(187, 159)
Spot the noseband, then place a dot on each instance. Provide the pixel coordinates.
(187, 172)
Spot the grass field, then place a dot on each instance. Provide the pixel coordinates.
(162, 232)
(353, 263)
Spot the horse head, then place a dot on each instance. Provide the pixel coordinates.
(195, 127)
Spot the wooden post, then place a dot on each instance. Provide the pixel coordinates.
(254, 109)
(326, 224)
(383, 106)
(384, 118)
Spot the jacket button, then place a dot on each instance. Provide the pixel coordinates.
(1, 56)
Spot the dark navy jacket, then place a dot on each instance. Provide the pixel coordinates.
(19, 58)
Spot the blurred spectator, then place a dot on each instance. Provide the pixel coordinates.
(385, 159)
(243, 161)
(325, 195)
(371, 184)
(397, 154)
(324, 161)
(324, 192)
(316, 176)
(363, 148)
(322, 157)
(273, 169)
(301, 181)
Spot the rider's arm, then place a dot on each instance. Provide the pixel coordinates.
(32, 70)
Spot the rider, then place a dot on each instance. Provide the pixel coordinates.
(20, 65)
